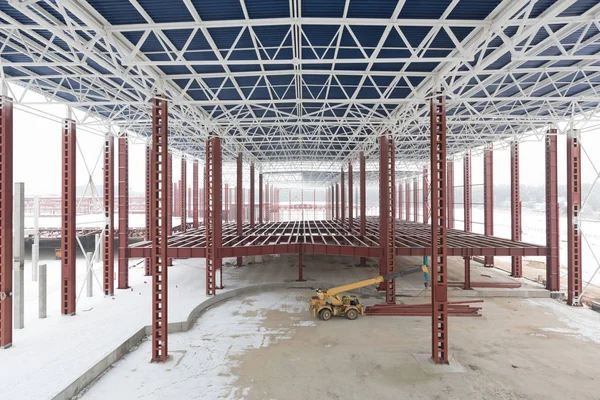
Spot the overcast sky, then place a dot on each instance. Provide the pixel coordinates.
(37, 142)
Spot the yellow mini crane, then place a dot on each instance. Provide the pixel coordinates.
(327, 303)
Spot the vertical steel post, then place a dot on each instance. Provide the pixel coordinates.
(415, 199)
(214, 222)
(574, 283)
(407, 196)
(401, 201)
(239, 200)
(6, 221)
(552, 214)
(450, 194)
(488, 198)
(467, 273)
(183, 194)
(69, 214)
(226, 210)
(195, 193)
(337, 201)
(19, 256)
(333, 213)
(251, 211)
(147, 236)
(260, 198)
(387, 214)
(515, 208)
(468, 225)
(169, 203)
(350, 197)
(363, 201)
(160, 187)
(426, 206)
(343, 194)
(123, 267)
(267, 204)
(439, 284)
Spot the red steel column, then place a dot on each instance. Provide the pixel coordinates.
(439, 283)
(343, 194)
(195, 193)
(488, 198)
(239, 200)
(147, 236)
(333, 214)
(415, 199)
(552, 215)
(213, 214)
(407, 196)
(183, 194)
(338, 214)
(515, 208)
(387, 217)
(467, 273)
(350, 197)
(574, 283)
(426, 206)
(363, 201)
(69, 212)
(401, 199)
(6, 221)
(450, 194)
(260, 198)
(226, 210)
(109, 212)
(160, 214)
(123, 278)
(468, 216)
(169, 201)
(267, 204)
(251, 211)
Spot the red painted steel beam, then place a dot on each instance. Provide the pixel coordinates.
(69, 207)
(574, 278)
(183, 194)
(467, 197)
(267, 204)
(337, 201)
(251, 211)
(109, 212)
(407, 199)
(260, 198)
(170, 204)
(226, 209)
(213, 214)
(343, 194)
(415, 199)
(6, 221)
(488, 198)
(239, 200)
(195, 193)
(552, 214)
(467, 283)
(350, 198)
(123, 268)
(516, 269)
(450, 194)
(147, 267)
(401, 199)
(439, 259)
(387, 214)
(426, 205)
(159, 175)
(363, 201)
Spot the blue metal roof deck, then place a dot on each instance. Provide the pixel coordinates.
(308, 80)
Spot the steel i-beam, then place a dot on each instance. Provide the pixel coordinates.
(147, 267)
(213, 215)
(69, 214)
(387, 214)
(251, 211)
(6, 221)
(195, 193)
(338, 213)
(169, 203)
(123, 267)
(363, 201)
(260, 198)
(239, 199)
(159, 204)
(350, 198)
(407, 199)
(439, 282)
(468, 224)
(426, 206)
(267, 204)
(183, 194)
(226, 210)
(400, 201)
(574, 283)
(415, 199)
(488, 198)
(516, 269)
(450, 194)
(343, 194)
(552, 214)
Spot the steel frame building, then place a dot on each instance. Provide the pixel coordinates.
(299, 90)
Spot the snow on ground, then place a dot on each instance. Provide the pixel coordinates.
(203, 357)
(581, 322)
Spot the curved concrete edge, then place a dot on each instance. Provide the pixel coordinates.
(115, 355)
(103, 365)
